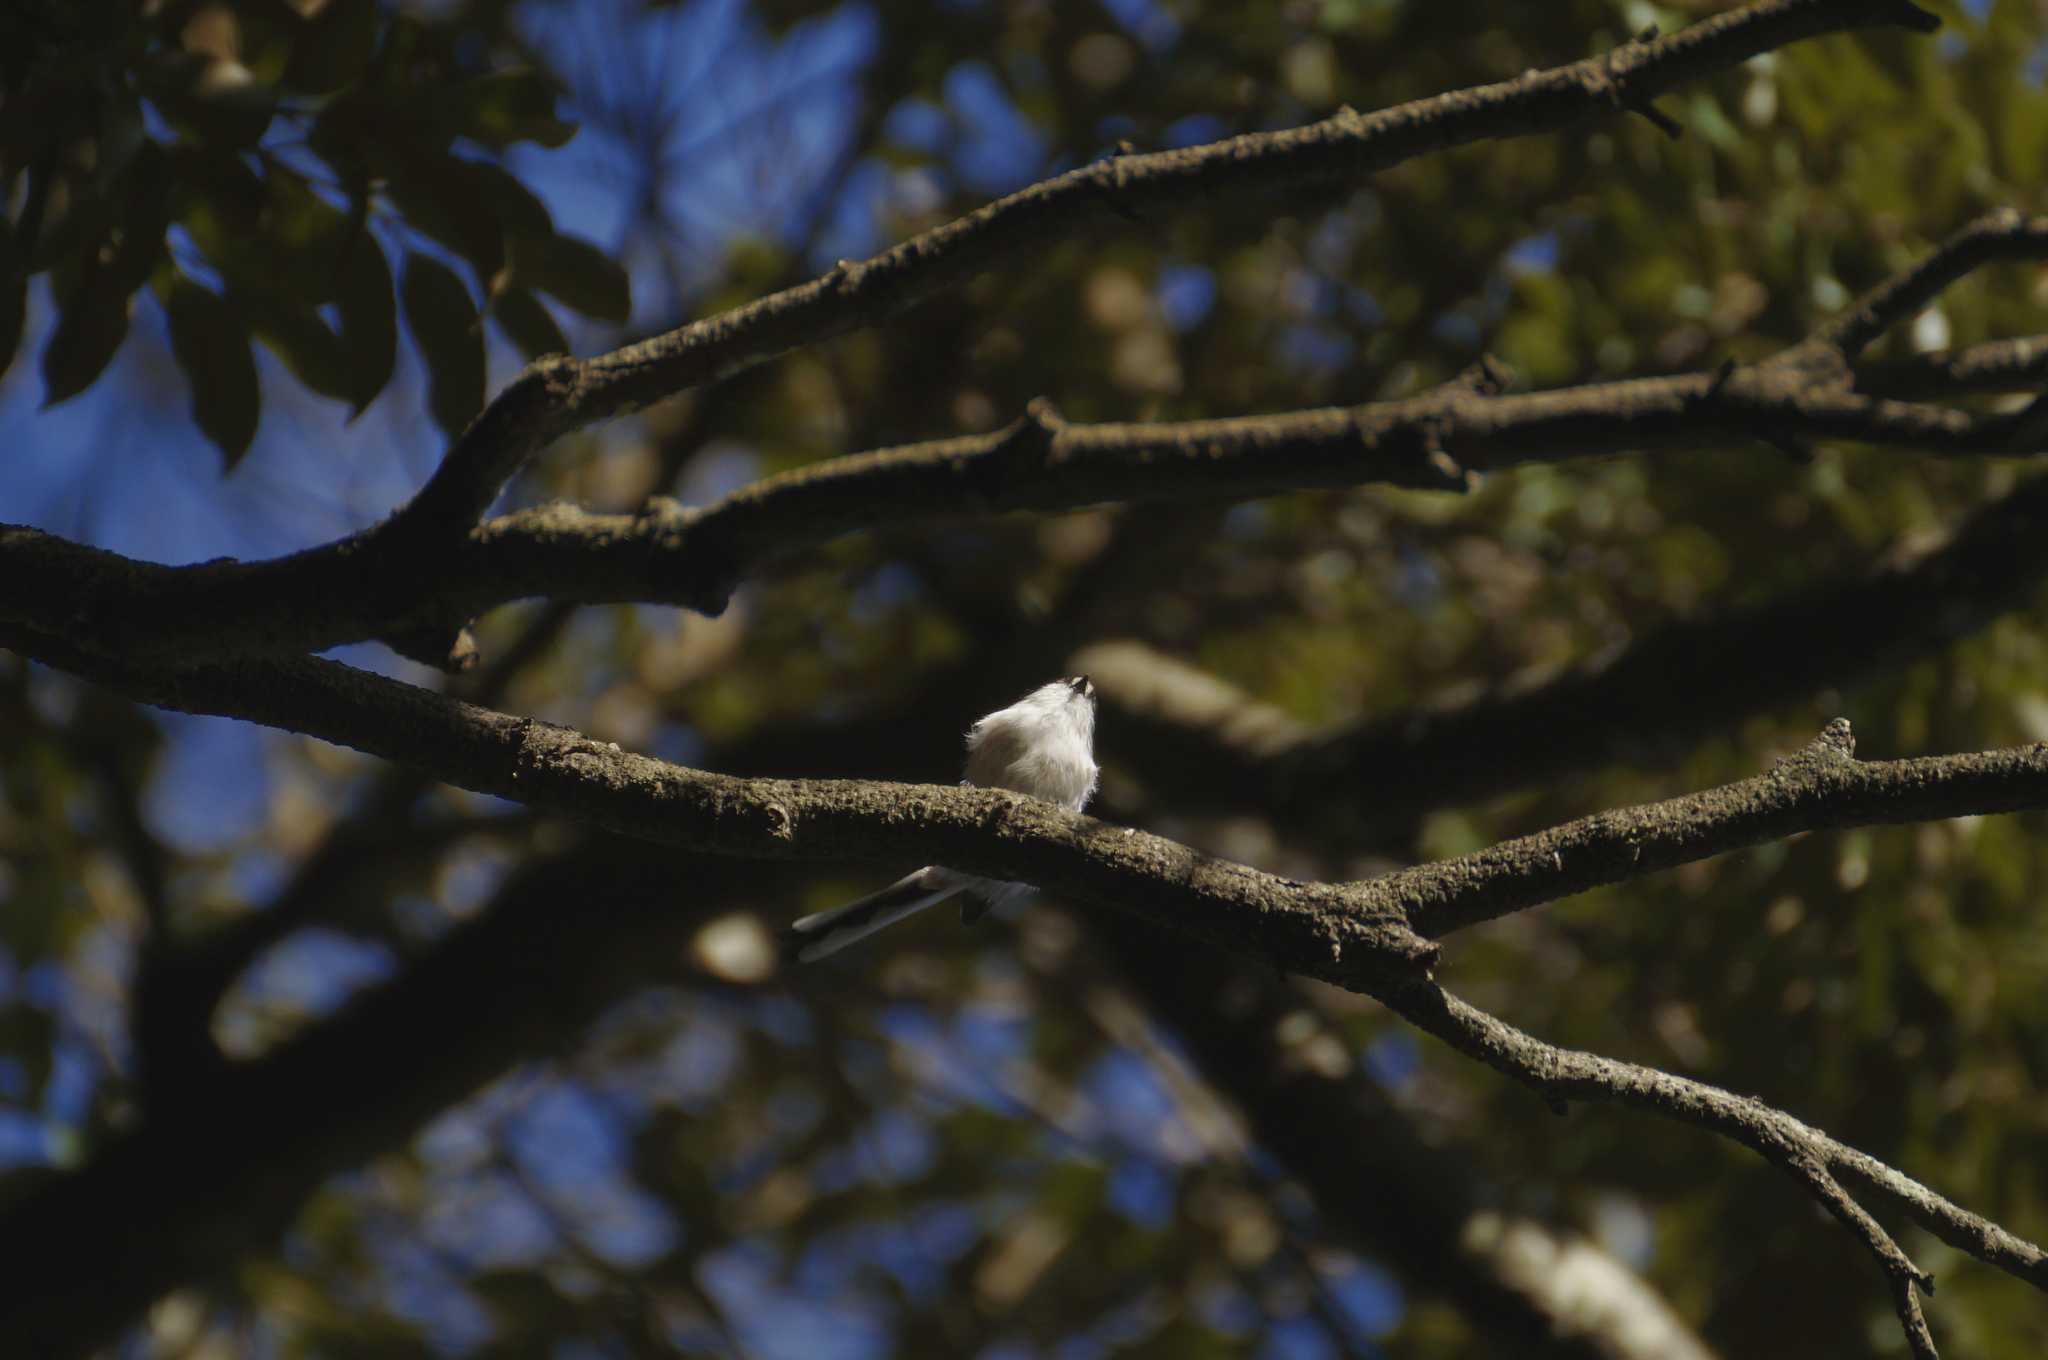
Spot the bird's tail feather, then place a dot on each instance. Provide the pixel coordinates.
(828, 932)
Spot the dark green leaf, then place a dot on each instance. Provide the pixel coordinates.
(527, 320)
(518, 209)
(369, 320)
(209, 99)
(145, 217)
(506, 107)
(294, 332)
(95, 286)
(123, 134)
(28, 1033)
(91, 327)
(574, 271)
(211, 343)
(13, 295)
(333, 48)
(219, 199)
(75, 214)
(438, 195)
(404, 42)
(444, 323)
(304, 237)
(523, 1302)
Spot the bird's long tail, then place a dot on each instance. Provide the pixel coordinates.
(828, 932)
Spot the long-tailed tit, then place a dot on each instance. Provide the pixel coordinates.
(1043, 745)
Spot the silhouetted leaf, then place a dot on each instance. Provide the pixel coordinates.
(91, 326)
(444, 322)
(506, 107)
(575, 272)
(207, 98)
(369, 320)
(27, 1032)
(518, 208)
(76, 214)
(218, 198)
(304, 235)
(334, 46)
(403, 43)
(96, 287)
(438, 195)
(294, 332)
(211, 343)
(526, 319)
(145, 217)
(523, 1303)
(13, 295)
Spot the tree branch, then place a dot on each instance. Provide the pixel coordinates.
(2016, 365)
(551, 768)
(1806, 1153)
(693, 557)
(2002, 234)
(1418, 1205)
(1318, 930)
(1345, 934)
(559, 394)
(1216, 748)
(223, 1169)
(428, 565)
(1823, 786)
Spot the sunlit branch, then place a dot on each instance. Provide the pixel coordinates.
(1318, 930)
(417, 576)
(561, 394)
(1342, 933)
(693, 557)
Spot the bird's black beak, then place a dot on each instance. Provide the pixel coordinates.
(1082, 686)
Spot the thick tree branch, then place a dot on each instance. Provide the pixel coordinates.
(423, 570)
(553, 768)
(694, 557)
(1345, 934)
(199, 972)
(1314, 929)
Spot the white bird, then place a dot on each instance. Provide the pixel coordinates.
(1042, 745)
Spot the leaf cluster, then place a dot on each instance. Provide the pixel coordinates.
(262, 172)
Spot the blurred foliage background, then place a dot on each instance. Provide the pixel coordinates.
(258, 259)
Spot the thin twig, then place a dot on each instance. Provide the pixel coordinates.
(1808, 1154)
(1999, 235)
(2016, 365)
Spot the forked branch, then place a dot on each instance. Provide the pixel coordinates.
(430, 566)
(1808, 1155)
